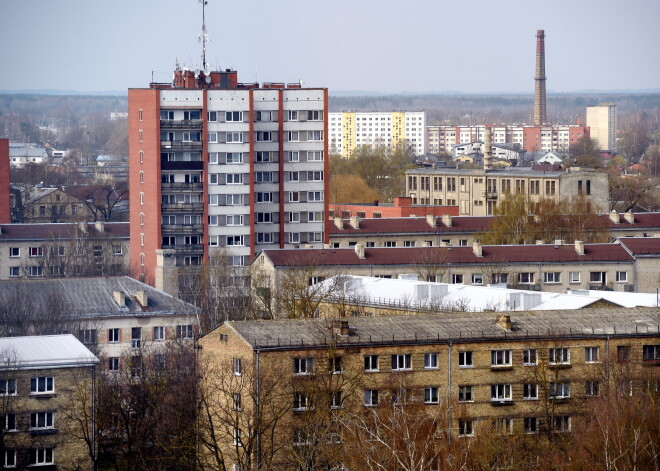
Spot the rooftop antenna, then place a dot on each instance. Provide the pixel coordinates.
(203, 38)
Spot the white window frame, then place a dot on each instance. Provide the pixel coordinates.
(234, 138)
(465, 393)
(551, 277)
(431, 361)
(574, 277)
(37, 388)
(293, 156)
(477, 279)
(371, 397)
(303, 366)
(237, 366)
(592, 354)
(622, 277)
(431, 395)
(45, 418)
(234, 116)
(233, 158)
(159, 333)
(466, 359)
(501, 392)
(212, 137)
(559, 390)
(465, 427)
(14, 252)
(530, 392)
(559, 356)
(501, 358)
(369, 362)
(402, 362)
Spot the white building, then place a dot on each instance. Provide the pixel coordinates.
(601, 120)
(349, 130)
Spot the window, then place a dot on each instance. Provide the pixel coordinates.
(315, 156)
(597, 277)
(87, 336)
(430, 361)
(9, 424)
(591, 354)
(42, 385)
(551, 277)
(234, 116)
(292, 136)
(237, 402)
(559, 390)
(431, 395)
(650, 352)
(526, 278)
(477, 279)
(457, 279)
(213, 137)
(315, 115)
(264, 237)
(531, 424)
(7, 387)
(40, 456)
(315, 176)
(237, 437)
(159, 333)
(294, 237)
(623, 353)
(303, 366)
(235, 157)
(622, 277)
(234, 137)
(574, 277)
(499, 278)
(401, 362)
(117, 249)
(314, 135)
(314, 237)
(262, 156)
(41, 420)
(292, 115)
(370, 397)
(465, 428)
(300, 402)
(97, 251)
(14, 251)
(236, 366)
(559, 356)
(500, 392)
(113, 335)
(561, 423)
(263, 197)
(529, 357)
(500, 357)
(235, 178)
(389, 243)
(234, 220)
(113, 363)
(550, 187)
(336, 400)
(212, 116)
(465, 394)
(14, 272)
(293, 156)
(371, 363)
(136, 337)
(316, 216)
(314, 196)
(264, 136)
(36, 252)
(591, 388)
(235, 241)
(334, 365)
(530, 391)
(465, 360)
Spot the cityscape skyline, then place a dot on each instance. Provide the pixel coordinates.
(371, 46)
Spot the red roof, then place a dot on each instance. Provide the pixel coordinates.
(642, 245)
(456, 255)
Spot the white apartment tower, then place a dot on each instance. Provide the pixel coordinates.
(601, 120)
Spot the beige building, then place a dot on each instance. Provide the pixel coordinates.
(56, 250)
(516, 373)
(476, 192)
(601, 120)
(55, 205)
(46, 385)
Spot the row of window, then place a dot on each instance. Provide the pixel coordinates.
(263, 177)
(532, 187)
(36, 457)
(559, 423)
(60, 251)
(89, 336)
(38, 421)
(38, 385)
(265, 197)
(498, 358)
(265, 156)
(241, 116)
(238, 137)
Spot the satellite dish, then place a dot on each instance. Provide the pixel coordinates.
(196, 73)
(208, 79)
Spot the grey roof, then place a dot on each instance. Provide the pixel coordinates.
(455, 327)
(93, 297)
(509, 171)
(44, 351)
(62, 230)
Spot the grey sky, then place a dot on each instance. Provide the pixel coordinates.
(385, 45)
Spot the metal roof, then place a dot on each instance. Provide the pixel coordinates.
(44, 351)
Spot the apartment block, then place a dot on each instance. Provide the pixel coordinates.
(515, 372)
(221, 165)
(549, 138)
(477, 191)
(40, 377)
(602, 122)
(349, 130)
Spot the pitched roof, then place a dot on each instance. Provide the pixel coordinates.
(642, 245)
(44, 351)
(93, 297)
(456, 327)
(49, 231)
(491, 254)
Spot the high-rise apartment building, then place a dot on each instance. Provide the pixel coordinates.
(349, 130)
(550, 138)
(601, 120)
(219, 164)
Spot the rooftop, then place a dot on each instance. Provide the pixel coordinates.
(53, 231)
(449, 327)
(46, 351)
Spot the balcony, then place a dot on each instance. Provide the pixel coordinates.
(181, 145)
(183, 207)
(187, 248)
(181, 165)
(181, 124)
(183, 228)
(181, 186)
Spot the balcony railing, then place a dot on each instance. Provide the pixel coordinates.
(187, 248)
(181, 145)
(181, 186)
(183, 228)
(181, 124)
(183, 207)
(181, 165)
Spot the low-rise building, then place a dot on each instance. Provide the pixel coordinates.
(46, 383)
(402, 207)
(478, 191)
(55, 205)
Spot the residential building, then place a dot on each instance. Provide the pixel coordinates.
(646, 251)
(465, 230)
(42, 381)
(402, 207)
(471, 371)
(546, 267)
(477, 191)
(601, 121)
(55, 205)
(113, 316)
(5, 198)
(220, 165)
(350, 129)
(63, 250)
(509, 154)
(22, 154)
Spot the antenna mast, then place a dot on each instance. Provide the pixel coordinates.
(203, 38)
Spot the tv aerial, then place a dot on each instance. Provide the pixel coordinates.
(204, 37)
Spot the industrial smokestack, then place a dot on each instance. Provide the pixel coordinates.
(539, 80)
(488, 148)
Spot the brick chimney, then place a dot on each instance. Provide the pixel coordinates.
(539, 81)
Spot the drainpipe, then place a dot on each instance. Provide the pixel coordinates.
(449, 408)
(94, 454)
(257, 458)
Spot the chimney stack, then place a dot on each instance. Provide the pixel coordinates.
(355, 222)
(539, 80)
(359, 250)
(488, 148)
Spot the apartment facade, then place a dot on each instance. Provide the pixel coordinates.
(601, 120)
(511, 371)
(220, 165)
(477, 191)
(350, 129)
(39, 377)
(549, 138)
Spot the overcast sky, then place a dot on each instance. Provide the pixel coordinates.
(381, 46)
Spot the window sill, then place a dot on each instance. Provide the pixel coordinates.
(42, 431)
(501, 367)
(559, 366)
